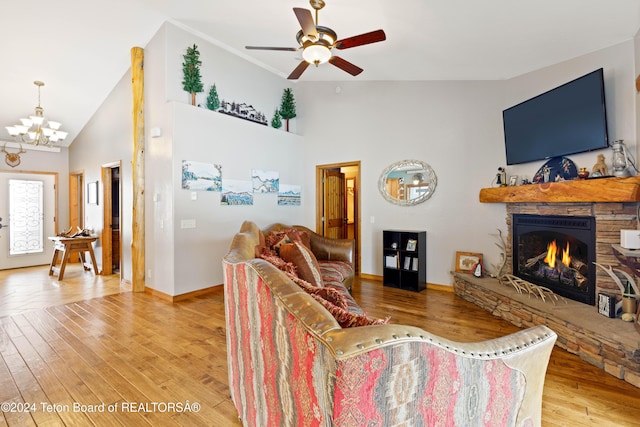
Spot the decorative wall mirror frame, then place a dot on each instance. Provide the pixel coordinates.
(407, 182)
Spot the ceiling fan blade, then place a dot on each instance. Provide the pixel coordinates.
(288, 49)
(362, 39)
(306, 21)
(295, 74)
(344, 65)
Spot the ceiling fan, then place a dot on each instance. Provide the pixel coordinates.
(317, 42)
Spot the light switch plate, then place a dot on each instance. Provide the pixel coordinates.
(188, 223)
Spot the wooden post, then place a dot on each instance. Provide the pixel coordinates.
(137, 244)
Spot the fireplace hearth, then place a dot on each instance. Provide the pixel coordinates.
(556, 252)
(610, 344)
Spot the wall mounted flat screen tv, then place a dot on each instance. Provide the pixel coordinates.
(566, 120)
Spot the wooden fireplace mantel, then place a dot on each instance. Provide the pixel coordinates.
(601, 190)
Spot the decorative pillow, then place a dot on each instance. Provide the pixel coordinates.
(299, 236)
(346, 319)
(288, 235)
(275, 240)
(304, 260)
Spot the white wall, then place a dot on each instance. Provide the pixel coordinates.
(238, 146)
(235, 78)
(452, 126)
(44, 161)
(183, 260)
(636, 56)
(456, 127)
(107, 138)
(619, 75)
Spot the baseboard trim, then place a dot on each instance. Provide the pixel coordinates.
(175, 298)
(370, 277)
(435, 287)
(444, 288)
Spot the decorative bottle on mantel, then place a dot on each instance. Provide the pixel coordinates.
(628, 300)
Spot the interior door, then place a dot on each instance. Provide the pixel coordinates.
(111, 216)
(28, 210)
(335, 205)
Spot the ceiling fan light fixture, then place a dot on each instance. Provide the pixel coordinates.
(316, 54)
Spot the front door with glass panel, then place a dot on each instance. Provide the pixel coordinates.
(27, 212)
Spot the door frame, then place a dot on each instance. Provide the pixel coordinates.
(107, 213)
(320, 203)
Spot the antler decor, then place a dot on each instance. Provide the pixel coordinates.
(522, 286)
(498, 268)
(612, 273)
(12, 159)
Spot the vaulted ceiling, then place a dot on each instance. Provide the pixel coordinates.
(81, 48)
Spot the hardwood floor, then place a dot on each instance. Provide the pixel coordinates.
(138, 354)
(32, 288)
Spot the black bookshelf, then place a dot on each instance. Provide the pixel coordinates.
(404, 259)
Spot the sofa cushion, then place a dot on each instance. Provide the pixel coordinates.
(335, 271)
(304, 260)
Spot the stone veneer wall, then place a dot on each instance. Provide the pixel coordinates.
(610, 219)
(609, 344)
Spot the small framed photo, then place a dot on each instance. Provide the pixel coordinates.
(411, 244)
(465, 261)
(92, 193)
(513, 180)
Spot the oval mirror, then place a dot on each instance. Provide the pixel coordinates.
(407, 182)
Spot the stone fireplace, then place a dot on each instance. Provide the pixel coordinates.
(600, 209)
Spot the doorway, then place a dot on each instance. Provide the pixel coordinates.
(28, 210)
(338, 203)
(111, 237)
(76, 200)
(76, 205)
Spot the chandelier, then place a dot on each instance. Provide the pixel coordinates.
(33, 131)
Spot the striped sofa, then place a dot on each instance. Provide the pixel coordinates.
(290, 362)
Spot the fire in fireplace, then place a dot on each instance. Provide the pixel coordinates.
(556, 252)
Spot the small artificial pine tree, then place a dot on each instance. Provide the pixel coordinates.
(191, 81)
(213, 102)
(276, 122)
(288, 106)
